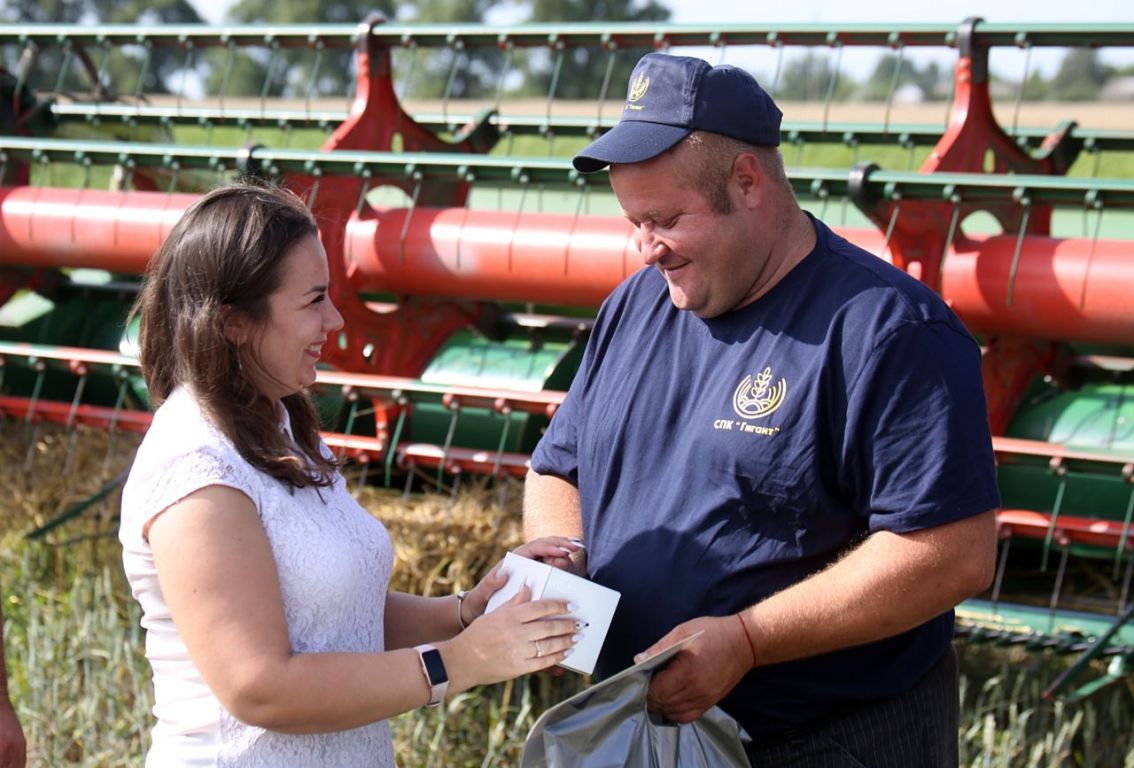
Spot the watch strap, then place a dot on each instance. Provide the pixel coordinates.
(433, 667)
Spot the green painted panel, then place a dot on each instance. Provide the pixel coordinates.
(518, 363)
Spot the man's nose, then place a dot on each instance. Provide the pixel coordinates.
(650, 246)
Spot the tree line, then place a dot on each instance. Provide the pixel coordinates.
(472, 73)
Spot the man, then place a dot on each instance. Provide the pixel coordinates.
(13, 749)
(775, 439)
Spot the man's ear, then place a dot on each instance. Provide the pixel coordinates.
(748, 175)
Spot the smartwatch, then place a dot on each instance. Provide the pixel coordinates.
(434, 670)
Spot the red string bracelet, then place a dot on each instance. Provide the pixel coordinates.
(748, 637)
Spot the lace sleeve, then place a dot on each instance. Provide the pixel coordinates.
(159, 485)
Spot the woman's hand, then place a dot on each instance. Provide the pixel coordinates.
(520, 637)
(553, 550)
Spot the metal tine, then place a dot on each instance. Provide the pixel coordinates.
(949, 102)
(226, 75)
(415, 52)
(352, 397)
(1126, 521)
(583, 188)
(175, 170)
(505, 69)
(417, 176)
(1022, 40)
(139, 87)
(1124, 595)
(505, 410)
(454, 405)
(523, 180)
(723, 45)
(68, 55)
(458, 56)
(27, 61)
(502, 483)
(1026, 202)
(188, 65)
(896, 197)
(409, 478)
(824, 196)
(556, 72)
(955, 199)
(470, 178)
(1065, 551)
(366, 175)
(851, 142)
(112, 427)
(911, 150)
(364, 460)
(314, 78)
(611, 57)
(1097, 204)
(779, 46)
(79, 387)
(269, 76)
(352, 81)
(1001, 566)
(1061, 472)
(457, 473)
(313, 192)
(901, 51)
(31, 427)
(86, 161)
(834, 81)
(548, 131)
(392, 449)
(101, 90)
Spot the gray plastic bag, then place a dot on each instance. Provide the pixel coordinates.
(607, 726)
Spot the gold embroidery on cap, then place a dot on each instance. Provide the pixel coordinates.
(639, 87)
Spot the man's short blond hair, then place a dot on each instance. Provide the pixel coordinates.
(706, 160)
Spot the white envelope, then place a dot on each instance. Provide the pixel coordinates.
(595, 603)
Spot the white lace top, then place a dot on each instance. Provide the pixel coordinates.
(334, 562)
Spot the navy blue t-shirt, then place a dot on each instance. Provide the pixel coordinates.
(720, 461)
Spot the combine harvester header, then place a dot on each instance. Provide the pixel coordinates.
(468, 256)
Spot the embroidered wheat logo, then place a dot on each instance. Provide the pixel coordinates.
(757, 396)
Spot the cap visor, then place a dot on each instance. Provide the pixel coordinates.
(631, 141)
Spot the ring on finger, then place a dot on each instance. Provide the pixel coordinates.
(538, 649)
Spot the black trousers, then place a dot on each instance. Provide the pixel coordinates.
(917, 729)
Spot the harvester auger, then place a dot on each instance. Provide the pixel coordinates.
(468, 298)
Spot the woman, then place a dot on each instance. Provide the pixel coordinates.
(271, 634)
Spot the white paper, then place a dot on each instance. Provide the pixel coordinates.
(595, 603)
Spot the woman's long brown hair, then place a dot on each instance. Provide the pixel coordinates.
(224, 256)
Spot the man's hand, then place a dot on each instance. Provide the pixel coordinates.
(703, 672)
(13, 748)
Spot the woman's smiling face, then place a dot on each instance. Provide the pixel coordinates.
(301, 317)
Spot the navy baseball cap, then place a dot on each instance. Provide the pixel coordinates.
(669, 97)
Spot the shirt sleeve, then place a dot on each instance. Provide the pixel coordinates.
(159, 486)
(918, 451)
(557, 451)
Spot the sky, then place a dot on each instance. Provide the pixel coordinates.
(859, 61)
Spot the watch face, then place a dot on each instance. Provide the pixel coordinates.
(434, 667)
